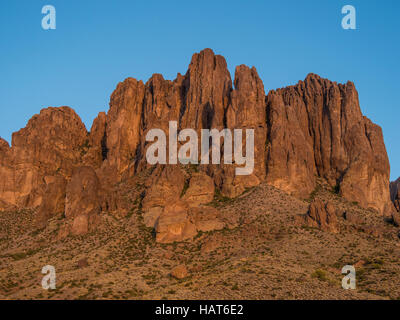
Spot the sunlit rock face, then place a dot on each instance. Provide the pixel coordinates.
(314, 129)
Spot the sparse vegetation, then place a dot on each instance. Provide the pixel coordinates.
(260, 255)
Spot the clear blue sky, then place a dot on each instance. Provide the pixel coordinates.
(99, 43)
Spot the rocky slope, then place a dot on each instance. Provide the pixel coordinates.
(264, 252)
(313, 130)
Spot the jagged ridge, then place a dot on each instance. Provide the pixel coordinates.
(313, 129)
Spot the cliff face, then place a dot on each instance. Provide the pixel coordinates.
(313, 129)
(318, 127)
(50, 145)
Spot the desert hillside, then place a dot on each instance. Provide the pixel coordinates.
(263, 253)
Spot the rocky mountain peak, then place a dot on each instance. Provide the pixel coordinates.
(303, 133)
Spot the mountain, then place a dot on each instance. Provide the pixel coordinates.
(321, 171)
(312, 130)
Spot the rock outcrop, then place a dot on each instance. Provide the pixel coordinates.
(395, 197)
(316, 129)
(166, 188)
(321, 215)
(51, 144)
(176, 211)
(247, 110)
(96, 149)
(207, 87)
(123, 124)
(200, 190)
(53, 200)
(179, 272)
(174, 224)
(395, 193)
(312, 130)
(7, 188)
(83, 200)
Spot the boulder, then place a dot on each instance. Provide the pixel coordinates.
(165, 189)
(353, 217)
(209, 245)
(179, 222)
(174, 224)
(321, 215)
(200, 191)
(179, 272)
(396, 219)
